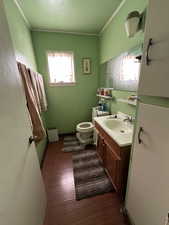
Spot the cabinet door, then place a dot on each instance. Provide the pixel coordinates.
(147, 199)
(113, 167)
(101, 149)
(154, 77)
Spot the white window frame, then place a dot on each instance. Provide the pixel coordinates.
(61, 84)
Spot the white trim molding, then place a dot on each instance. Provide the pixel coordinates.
(112, 16)
(22, 13)
(64, 32)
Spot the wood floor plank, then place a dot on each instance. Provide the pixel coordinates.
(62, 208)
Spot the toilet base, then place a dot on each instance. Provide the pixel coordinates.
(84, 140)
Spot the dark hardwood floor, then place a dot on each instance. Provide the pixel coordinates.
(62, 208)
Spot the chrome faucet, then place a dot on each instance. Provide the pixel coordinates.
(129, 119)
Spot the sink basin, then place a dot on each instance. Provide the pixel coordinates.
(118, 125)
(121, 131)
(113, 123)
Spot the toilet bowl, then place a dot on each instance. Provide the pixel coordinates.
(85, 132)
(85, 127)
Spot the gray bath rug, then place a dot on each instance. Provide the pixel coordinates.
(70, 138)
(71, 144)
(89, 175)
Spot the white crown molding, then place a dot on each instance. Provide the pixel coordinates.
(112, 16)
(22, 13)
(64, 32)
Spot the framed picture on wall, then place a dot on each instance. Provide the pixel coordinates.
(86, 66)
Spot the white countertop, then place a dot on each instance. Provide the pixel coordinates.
(121, 131)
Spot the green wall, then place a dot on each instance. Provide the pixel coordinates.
(22, 42)
(69, 105)
(113, 42)
(21, 36)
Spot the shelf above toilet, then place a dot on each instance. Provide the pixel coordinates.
(104, 96)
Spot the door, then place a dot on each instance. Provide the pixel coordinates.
(154, 77)
(113, 167)
(101, 149)
(147, 199)
(22, 196)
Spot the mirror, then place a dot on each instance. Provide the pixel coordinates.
(122, 72)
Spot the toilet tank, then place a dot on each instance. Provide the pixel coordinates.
(96, 113)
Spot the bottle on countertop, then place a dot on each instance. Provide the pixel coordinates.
(110, 92)
(106, 92)
(102, 91)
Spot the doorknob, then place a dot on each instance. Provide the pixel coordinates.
(139, 135)
(150, 43)
(32, 139)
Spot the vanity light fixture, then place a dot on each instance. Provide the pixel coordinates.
(132, 23)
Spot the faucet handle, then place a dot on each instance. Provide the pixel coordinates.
(133, 118)
(129, 118)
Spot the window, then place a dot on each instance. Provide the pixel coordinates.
(61, 68)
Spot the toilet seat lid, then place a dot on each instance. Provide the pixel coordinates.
(85, 125)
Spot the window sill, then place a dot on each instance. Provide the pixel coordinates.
(61, 84)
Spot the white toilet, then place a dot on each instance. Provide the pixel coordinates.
(85, 132)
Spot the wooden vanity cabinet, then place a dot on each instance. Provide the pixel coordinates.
(112, 166)
(101, 149)
(115, 159)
